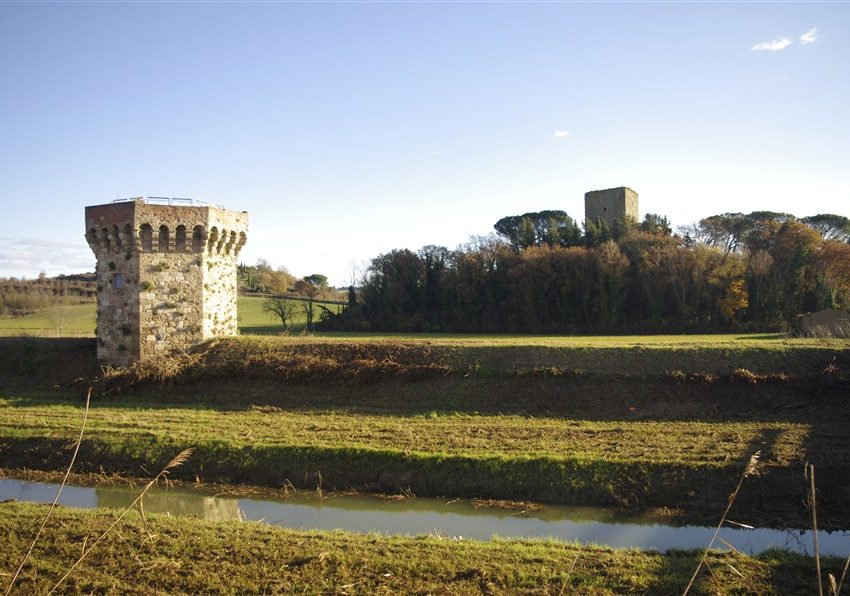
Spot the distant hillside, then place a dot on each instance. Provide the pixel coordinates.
(23, 296)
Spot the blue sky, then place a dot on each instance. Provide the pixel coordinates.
(347, 130)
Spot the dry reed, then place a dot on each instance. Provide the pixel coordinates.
(750, 470)
(178, 460)
(56, 498)
(570, 571)
(837, 590)
(810, 476)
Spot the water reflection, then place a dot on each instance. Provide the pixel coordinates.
(171, 501)
(365, 513)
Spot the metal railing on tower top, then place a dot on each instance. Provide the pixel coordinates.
(171, 201)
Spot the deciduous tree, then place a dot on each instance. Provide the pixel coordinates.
(283, 309)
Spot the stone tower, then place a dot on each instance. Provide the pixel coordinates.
(166, 274)
(610, 204)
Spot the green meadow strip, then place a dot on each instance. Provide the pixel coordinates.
(540, 478)
(177, 555)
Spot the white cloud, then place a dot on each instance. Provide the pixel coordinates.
(773, 46)
(810, 36)
(561, 134)
(29, 256)
(776, 45)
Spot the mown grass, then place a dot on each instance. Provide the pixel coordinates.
(687, 442)
(173, 555)
(389, 415)
(79, 320)
(74, 320)
(253, 320)
(670, 422)
(628, 463)
(734, 341)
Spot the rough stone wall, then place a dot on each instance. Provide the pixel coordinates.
(219, 301)
(610, 204)
(169, 301)
(109, 234)
(226, 237)
(176, 276)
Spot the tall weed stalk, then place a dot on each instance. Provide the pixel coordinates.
(178, 460)
(55, 499)
(810, 476)
(750, 470)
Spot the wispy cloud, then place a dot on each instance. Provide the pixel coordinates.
(561, 134)
(777, 45)
(29, 256)
(772, 46)
(810, 36)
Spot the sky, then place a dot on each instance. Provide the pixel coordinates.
(347, 130)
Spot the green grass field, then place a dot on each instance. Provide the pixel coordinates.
(639, 423)
(428, 435)
(733, 341)
(79, 320)
(438, 453)
(253, 321)
(167, 555)
(587, 425)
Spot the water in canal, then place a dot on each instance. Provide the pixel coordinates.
(458, 518)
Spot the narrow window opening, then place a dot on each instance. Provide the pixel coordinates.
(163, 239)
(146, 232)
(197, 239)
(180, 239)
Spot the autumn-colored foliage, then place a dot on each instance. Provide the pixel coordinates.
(730, 271)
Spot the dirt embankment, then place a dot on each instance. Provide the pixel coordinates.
(40, 363)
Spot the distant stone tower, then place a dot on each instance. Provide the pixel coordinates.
(166, 274)
(610, 204)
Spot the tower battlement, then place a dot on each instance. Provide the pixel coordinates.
(166, 275)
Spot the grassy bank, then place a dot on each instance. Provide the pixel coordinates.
(444, 434)
(169, 555)
(671, 425)
(43, 363)
(634, 463)
(325, 359)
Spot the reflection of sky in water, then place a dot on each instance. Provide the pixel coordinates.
(360, 513)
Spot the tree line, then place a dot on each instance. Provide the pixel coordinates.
(286, 295)
(21, 296)
(542, 273)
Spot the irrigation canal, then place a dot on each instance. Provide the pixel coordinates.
(450, 519)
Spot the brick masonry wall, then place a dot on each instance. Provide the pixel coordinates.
(166, 276)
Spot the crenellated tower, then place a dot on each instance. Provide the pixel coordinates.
(166, 274)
